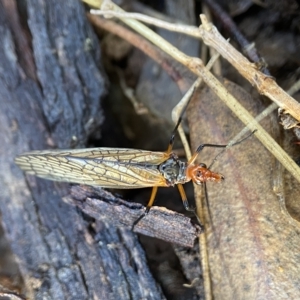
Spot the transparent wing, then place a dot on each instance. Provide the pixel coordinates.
(106, 167)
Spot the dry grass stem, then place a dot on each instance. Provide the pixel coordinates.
(175, 27)
(266, 85)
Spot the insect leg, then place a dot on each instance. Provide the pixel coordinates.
(171, 142)
(184, 198)
(152, 198)
(186, 203)
(149, 205)
(200, 148)
(186, 100)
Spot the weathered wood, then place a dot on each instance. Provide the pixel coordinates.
(160, 222)
(60, 256)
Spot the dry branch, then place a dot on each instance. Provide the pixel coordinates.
(159, 223)
(265, 84)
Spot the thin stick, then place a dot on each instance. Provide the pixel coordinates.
(182, 104)
(210, 35)
(176, 114)
(267, 111)
(231, 27)
(264, 84)
(175, 27)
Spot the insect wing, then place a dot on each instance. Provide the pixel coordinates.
(106, 167)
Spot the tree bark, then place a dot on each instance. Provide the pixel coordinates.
(50, 91)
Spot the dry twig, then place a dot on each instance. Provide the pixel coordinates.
(160, 222)
(263, 83)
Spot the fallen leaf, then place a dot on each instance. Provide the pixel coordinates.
(253, 244)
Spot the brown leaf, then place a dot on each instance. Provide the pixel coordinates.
(254, 245)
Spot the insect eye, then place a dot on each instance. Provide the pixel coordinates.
(203, 165)
(199, 174)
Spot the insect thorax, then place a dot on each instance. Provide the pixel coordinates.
(173, 170)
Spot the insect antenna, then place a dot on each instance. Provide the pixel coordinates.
(229, 145)
(207, 204)
(206, 201)
(209, 220)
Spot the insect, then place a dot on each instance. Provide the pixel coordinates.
(120, 168)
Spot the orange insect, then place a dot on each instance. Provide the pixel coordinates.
(120, 168)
